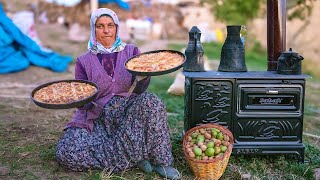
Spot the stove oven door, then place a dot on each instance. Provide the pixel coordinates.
(264, 99)
(268, 114)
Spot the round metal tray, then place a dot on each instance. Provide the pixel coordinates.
(156, 73)
(68, 105)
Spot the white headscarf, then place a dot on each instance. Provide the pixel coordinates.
(93, 45)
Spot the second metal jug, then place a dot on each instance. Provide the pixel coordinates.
(233, 52)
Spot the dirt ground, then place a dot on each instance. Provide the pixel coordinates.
(27, 128)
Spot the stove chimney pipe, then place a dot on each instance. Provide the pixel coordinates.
(276, 31)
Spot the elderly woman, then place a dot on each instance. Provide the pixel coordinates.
(114, 132)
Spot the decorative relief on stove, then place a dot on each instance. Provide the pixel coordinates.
(262, 129)
(213, 101)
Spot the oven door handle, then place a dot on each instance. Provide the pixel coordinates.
(272, 92)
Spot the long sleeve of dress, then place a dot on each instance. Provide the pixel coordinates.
(80, 73)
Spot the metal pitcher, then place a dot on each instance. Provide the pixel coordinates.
(233, 52)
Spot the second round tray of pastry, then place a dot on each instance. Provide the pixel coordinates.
(154, 63)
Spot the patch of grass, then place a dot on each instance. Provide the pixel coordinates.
(93, 175)
(276, 167)
(2, 107)
(48, 152)
(3, 145)
(5, 156)
(256, 61)
(311, 67)
(28, 175)
(177, 47)
(24, 149)
(159, 86)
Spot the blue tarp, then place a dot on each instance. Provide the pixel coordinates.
(18, 51)
(120, 3)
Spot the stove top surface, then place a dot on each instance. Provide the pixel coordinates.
(246, 75)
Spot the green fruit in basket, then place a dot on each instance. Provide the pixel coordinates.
(215, 129)
(220, 136)
(197, 151)
(194, 141)
(214, 134)
(209, 152)
(199, 141)
(217, 150)
(210, 145)
(223, 148)
(200, 138)
(194, 135)
(198, 157)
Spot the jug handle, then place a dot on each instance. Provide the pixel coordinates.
(299, 58)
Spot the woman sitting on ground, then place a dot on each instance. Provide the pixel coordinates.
(111, 132)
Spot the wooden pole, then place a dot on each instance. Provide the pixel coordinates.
(276, 31)
(93, 5)
(283, 23)
(273, 34)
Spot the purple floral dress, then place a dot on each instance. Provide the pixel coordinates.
(135, 131)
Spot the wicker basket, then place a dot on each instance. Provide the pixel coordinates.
(209, 169)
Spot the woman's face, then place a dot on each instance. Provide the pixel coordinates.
(106, 31)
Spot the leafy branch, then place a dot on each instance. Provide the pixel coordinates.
(240, 12)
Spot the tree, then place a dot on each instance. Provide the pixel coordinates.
(300, 9)
(243, 11)
(236, 12)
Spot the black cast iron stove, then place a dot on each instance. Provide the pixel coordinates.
(264, 110)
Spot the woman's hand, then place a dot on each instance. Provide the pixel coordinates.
(139, 78)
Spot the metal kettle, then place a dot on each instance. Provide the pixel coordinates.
(289, 63)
